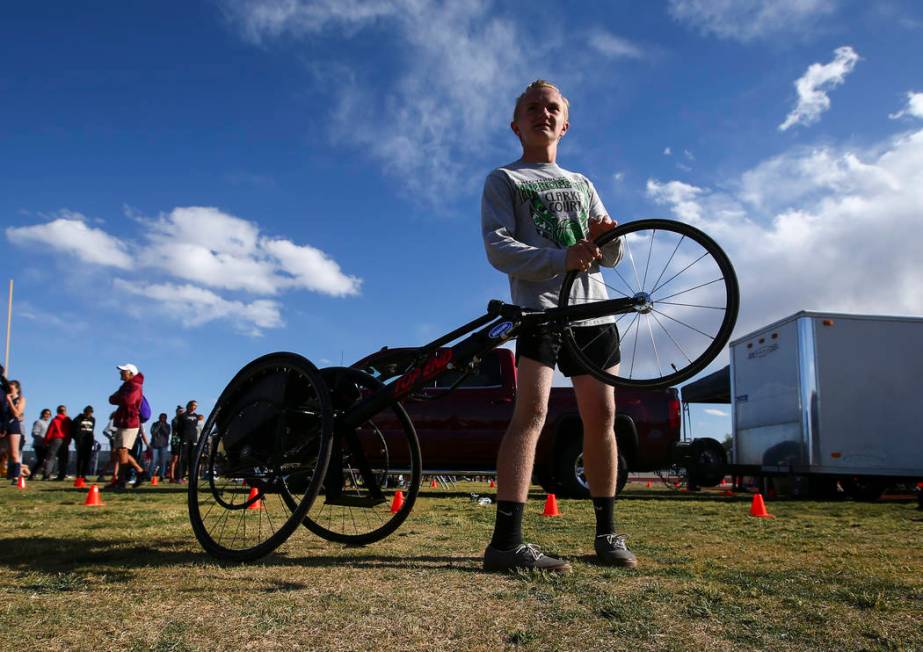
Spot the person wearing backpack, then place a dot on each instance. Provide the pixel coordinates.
(160, 445)
(127, 420)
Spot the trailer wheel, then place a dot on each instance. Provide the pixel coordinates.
(707, 466)
(571, 480)
(863, 488)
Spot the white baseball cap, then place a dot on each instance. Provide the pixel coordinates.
(128, 367)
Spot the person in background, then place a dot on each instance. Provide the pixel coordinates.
(4, 417)
(112, 466)
(176, 441)
(127, 421)
(190, 434)
(160, 445)
(39, 428)
(83, 426)
(64, 454)
(16, 406)
(58, 432)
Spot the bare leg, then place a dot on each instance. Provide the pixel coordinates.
(596, 403)
(517, 449)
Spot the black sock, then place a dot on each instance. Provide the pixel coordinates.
(605, 523)
(508, 527)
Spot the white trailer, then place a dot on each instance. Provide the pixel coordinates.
(831, 395)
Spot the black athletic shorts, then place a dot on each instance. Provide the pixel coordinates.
(544, 344)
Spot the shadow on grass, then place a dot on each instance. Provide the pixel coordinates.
(54, 555)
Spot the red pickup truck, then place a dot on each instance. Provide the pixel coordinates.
(460, 430)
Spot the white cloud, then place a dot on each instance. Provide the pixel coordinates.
(812, 87)
(421, 121)
(262, 19)
(219, 250)
(715, 412)
(311, 268)
(748, 20)
(619, 177)
(680, 196)
(195, 306)
(823, 229)
(913, 109)
(610, 45)
(204, 246)
(667, 151)
(70, 234)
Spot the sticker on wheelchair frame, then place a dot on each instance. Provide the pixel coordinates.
(500, 330)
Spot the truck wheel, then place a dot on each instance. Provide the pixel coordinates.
(571, 481)
(708, 463)
(863, 489)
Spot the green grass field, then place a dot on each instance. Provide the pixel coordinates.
(130, 576)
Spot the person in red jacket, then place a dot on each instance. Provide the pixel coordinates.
(127, 422)
(59, 431)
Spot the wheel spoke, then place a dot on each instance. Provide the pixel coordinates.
(690, 289)
(688, 359)
(690, 305)
(663, 314)
(654, 344)
(650, 249)
(632, 259)
(670, 260)
(668, 281)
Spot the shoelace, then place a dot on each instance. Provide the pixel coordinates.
(532, 550)
(617, 541)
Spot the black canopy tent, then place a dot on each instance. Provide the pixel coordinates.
(713, 388)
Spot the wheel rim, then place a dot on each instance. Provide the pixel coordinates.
(580, 472)
(685, 302)
(259, 461)
(355, 513)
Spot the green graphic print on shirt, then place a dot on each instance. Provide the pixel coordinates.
(558, 208)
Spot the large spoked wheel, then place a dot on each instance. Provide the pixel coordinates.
(684, 305)
(261, 458)
(368, 466)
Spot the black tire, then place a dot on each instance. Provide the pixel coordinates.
(355, 513)
(708, 463)
(864, 489)
(261, 458)
(691, 330)
(571, 480)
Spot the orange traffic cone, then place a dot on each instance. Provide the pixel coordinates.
(758, 508)
(397, 502)
(93, 497)
(21, 483)
(154, 480)
(492, 483)
(649, 484)
(80, 483)
(432, 484)
(256, 504)
(551, 506)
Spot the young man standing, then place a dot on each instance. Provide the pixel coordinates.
(538, 222)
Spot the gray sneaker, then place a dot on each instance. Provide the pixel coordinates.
(612, 551)
(526, 556)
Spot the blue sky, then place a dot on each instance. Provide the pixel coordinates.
(188, 185)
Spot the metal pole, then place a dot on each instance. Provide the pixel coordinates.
(9, 321)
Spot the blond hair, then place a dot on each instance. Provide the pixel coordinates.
(539, 83)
